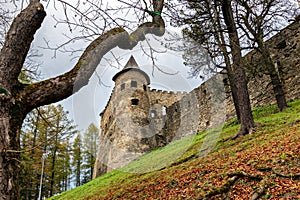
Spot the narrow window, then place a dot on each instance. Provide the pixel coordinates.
(145, 87)
(189, 104)
(123, 86)
(153, 113)
(134, 102)
(164, 110)
(225, 81)
(133, 84)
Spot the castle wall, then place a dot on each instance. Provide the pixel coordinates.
(285, 51)
(170, 116)
(214, 99)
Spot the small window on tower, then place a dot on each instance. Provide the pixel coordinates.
(123, 86)
(145, 87)
(163, 110)
(134, 102)
(153, 113)
(133, 84)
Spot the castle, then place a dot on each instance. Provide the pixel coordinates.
(138, 119)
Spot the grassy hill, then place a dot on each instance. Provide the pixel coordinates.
(265, 165)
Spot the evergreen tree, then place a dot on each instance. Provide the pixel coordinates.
(90, 143)
(47, 130)
(212, 24)
(18, 99)
(77, 159)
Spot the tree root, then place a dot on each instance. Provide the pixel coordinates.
(243, 131)
(234, 176)
(242, 174)
(223, 189)
(290, 176)
(259, 191)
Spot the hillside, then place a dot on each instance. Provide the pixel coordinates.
(265, 165)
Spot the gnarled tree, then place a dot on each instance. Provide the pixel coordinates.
(17, 99)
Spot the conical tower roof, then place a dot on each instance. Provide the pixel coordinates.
(131, 65)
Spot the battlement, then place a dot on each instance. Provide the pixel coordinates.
(166, 98)
(171, 115)
(168, 92)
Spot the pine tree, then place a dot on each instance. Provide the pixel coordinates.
(77, 159)
(90, 143)
(47, 130)
(18, 99)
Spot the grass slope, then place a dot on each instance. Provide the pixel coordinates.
(265, 165)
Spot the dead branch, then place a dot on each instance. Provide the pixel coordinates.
(61, 87)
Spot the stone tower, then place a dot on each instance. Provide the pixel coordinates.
(125, 121)
(131, 94)
(135, 120)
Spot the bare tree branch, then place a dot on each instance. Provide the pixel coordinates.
(61, 87)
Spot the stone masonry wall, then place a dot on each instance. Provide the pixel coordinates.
(168, 116)
(214, 100)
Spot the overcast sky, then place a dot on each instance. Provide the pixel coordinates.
(85, 106)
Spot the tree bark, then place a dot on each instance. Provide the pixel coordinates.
(10, 126)
(246, 117)
(269, 66)
(12, 113)
(234, 93)
(19, 99)
(229, 70)
(274, 75)
(278, 90)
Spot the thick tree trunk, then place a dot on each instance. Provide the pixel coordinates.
(11, 118)
(279, 92)
(247, 121)
(16, 99)
(12, 112)
(232, 82)
(274, 75)
(234, 92)
(246, 117)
